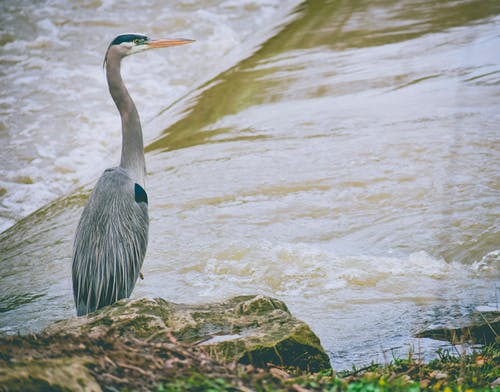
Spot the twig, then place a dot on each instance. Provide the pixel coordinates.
(489, 325)
(132, 367)
(160, 332)
(115, 378)
(107, 359)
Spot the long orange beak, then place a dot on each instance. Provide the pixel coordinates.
(163, 43)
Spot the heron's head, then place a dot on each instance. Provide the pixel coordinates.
(127, 44)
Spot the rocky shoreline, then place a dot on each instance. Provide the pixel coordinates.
(243, 344)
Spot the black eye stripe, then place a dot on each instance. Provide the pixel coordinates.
(129, 38)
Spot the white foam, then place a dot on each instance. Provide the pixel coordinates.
(307, 271)
(490, 261)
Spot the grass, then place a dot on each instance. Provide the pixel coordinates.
(448, 373)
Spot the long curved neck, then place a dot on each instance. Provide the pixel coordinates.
(132, 158)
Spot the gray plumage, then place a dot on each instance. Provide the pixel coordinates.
(111, 242)
(112, 234)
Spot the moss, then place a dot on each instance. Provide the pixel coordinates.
(227, 351)
(140, 326)
(157, 307)
(258, 305)
(288, 354)
(104, 321)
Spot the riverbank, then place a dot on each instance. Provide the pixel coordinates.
(138, 365)
(246, 343)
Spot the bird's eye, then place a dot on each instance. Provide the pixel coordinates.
(136, 41)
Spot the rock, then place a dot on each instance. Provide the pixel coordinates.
(142, 344)
(485, 330)
(255, 330)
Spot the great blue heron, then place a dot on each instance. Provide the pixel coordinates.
(112, 234)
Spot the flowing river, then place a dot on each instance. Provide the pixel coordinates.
(343, 156)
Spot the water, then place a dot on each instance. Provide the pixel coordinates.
(341, 156)
(51, 62)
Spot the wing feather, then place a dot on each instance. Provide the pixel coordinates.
(110, 243)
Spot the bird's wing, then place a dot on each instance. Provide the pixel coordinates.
(110, 242)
